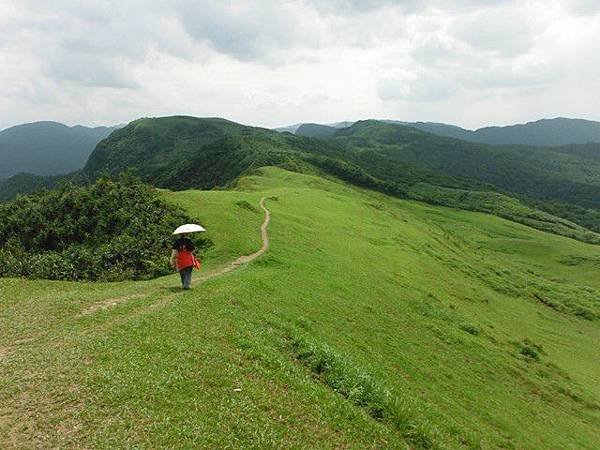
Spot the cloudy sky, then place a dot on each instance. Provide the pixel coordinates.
(271, 63)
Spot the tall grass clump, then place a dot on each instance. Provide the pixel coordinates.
(365, 391)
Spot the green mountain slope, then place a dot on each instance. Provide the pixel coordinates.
(315, 130)
(559, 131)
(545, 132)
(47, 148)
(539, 172)
(27, 183)
(371, 322)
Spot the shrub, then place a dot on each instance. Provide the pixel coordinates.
(530, 352)
(471, 329)
(365, 391)
(110, 230)
(246, 205)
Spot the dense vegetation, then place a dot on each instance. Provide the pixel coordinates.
(108, 230)
(503, 206)
(315, 130)
(545, 132)
(588, 218)
(27, 183)
(563, 178)
(539, 172)
(47, 148)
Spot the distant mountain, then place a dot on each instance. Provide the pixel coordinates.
(289, 128)
(182, 152)
(26, 183)
(47, 148)
(545, 132)
(441, 129)
(297, 126)
(315, 130)
(570, 174)
(344, 124)
(558, 131)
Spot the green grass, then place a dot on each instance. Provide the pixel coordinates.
(502, 206)
(371, 322)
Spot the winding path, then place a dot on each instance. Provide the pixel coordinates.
(245, 259)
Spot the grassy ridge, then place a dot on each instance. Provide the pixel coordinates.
(502, 206)
(370, 322)
(187, 152)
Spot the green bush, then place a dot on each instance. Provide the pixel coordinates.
(530, 352)
(471, 329)
(109, 231)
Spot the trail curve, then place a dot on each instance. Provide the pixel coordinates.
(240, 261)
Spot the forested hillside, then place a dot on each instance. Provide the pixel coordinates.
(545, 132)
(569, 174)
(315, 130)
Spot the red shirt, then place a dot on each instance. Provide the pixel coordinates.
(184, 259)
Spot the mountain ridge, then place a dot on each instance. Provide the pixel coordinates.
(183, 152)
(558, 131)
(47, 147)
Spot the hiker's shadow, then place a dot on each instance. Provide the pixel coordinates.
(173, 289)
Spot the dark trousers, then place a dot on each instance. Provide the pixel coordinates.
(186, 277)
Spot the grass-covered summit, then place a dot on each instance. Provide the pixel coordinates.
(371, 322)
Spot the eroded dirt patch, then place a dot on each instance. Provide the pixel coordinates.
(109, 303)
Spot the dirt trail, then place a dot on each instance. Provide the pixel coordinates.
(245, 259)
(110, 302)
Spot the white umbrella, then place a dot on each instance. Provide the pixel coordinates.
(188, 228)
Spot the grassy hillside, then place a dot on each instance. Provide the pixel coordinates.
(47, 148)
(502, 206)
(371, 322)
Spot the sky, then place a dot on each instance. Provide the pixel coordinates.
(272, 63)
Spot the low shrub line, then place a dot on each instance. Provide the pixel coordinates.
(364, 390)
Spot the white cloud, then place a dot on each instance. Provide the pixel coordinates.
(421, 86)
(273, 62)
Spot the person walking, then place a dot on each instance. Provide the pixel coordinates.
(183, 259)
